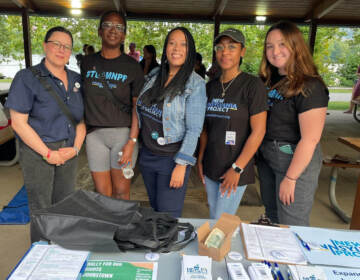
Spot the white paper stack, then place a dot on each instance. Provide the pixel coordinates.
(301, 272)
(196, 267)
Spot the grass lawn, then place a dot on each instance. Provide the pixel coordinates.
(338, 105)
(5, 80)
(345, 90)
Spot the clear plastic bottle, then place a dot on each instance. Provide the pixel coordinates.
(127, 170)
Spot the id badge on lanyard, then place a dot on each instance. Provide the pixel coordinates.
(230, 137)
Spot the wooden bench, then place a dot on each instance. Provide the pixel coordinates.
(356, 103)
(332, 186)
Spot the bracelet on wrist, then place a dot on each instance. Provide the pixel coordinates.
(291, 179)
(47, 155)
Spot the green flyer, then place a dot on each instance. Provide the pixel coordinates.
(120, 270)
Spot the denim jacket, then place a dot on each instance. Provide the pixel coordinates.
(183, 117)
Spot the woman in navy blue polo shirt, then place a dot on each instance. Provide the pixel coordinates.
(49, 142)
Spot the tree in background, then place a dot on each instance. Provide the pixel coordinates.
(337, 52)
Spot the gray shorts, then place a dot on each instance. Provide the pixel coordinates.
(103, 146)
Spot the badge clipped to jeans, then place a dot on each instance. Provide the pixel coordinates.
(230, 137)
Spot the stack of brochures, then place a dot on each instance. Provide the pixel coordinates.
(50, 262)
(300, 272)
(196, 267)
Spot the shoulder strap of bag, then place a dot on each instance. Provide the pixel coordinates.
(122, 106)
(48, 88)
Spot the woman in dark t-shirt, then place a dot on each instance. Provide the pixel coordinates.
(234, 127)
(289, 159)
(112, 81)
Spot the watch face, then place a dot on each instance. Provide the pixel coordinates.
(237, 169)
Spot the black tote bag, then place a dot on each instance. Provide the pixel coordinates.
(87, 220)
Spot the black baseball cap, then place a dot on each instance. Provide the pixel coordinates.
(233, 33)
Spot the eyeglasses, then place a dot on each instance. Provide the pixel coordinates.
(221, 48)
(108, 25)
(58, 46)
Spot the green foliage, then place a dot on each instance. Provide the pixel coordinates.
(337, 52)
(338, 105)
(154, 33)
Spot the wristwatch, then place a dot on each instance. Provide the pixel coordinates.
(237, 168)
(133, 139)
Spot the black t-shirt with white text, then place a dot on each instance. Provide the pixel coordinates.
(227, 119)
(152, 129)
(283, 115)
(125, 79)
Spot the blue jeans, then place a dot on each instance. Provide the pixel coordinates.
(272, 162)
(156, 171)
(219, 204)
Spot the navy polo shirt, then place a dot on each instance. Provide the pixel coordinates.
(28, 96)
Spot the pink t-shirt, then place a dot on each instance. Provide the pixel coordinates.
(135, 55)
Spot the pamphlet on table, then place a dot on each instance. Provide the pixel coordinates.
(108, 269)
(50, 262)
(330, 246)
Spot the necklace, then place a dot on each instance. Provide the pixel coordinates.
(225, 89)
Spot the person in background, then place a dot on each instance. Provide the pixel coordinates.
(234, 127)
(89, 50)
(133, 52)
(80, 56)
(149, 61)
(355, 93)
(112, 81)
(49, 142)
(290, 160)
(199, 67)
(171, 109)
(214, 71)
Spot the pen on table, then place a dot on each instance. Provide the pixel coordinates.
(305, 245)
(278, 272)
(289, 275)
(271, 269)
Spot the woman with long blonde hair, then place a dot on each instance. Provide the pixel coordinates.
(290, 159)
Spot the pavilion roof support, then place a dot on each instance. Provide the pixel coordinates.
(323, 8)
(312, 35)
(220, 6)
(25, 4)
(26, 36)
(120, 6)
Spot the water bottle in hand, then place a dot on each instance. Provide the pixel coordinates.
(126, 169)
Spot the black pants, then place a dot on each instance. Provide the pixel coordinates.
(156, 171)
(45, 183)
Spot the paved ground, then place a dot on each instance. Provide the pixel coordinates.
(14, 240)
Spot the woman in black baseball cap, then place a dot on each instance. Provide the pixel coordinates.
(234, 127)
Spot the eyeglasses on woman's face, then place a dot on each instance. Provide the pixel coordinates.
(57, 45)
(221, 47)
(107, 25)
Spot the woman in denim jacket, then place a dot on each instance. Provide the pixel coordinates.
(171, 109)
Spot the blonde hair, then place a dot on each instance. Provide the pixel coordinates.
(300, 66)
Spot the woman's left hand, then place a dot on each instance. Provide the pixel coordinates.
(287, 191)
(127, 151)
(67, 153)
(177, 176)
(230, 183)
